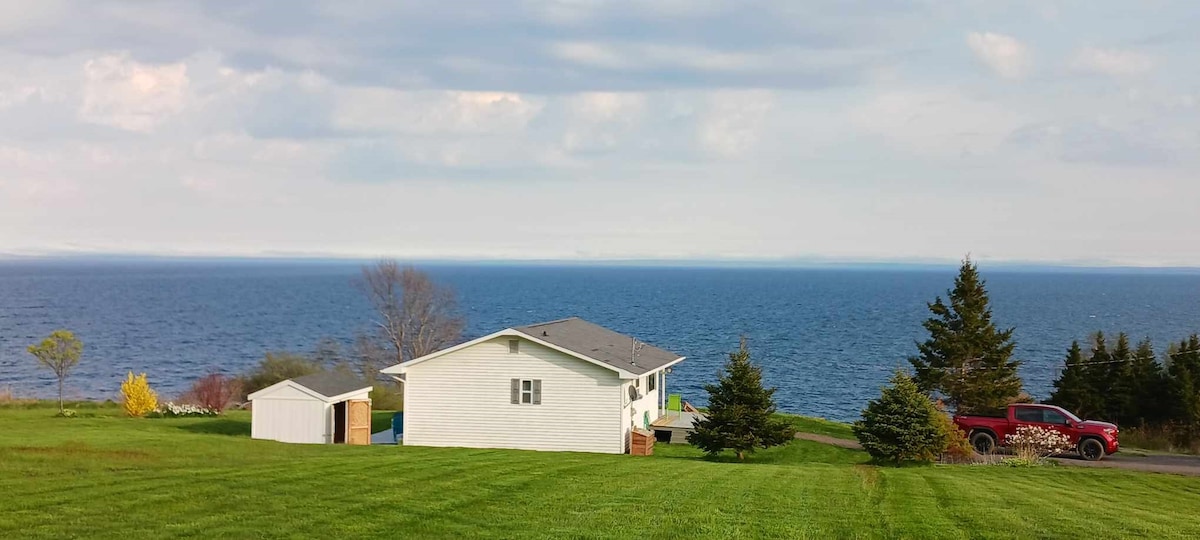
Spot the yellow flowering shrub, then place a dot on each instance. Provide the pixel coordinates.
(137, 397)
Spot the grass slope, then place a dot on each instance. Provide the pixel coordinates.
(112, 477)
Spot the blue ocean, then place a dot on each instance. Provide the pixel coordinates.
(826, 338)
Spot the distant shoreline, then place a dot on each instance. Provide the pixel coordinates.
(712, 264)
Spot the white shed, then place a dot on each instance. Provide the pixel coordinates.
(321, 408)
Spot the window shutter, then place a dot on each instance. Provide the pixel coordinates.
(537, 391)
(515, 391)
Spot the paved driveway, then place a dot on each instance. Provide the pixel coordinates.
(1160, 463)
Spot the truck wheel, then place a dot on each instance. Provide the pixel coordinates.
(1091, 450)
(983, 442)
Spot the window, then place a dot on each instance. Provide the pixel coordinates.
(514, 346)
(525, 392)
(1029, 414)
(637, 383)
(651, 382)
(1054, 417)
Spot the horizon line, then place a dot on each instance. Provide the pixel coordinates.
(679, 262)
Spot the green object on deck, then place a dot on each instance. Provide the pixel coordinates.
(675, 403)
(646, 420)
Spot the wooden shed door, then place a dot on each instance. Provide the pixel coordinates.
(360, 422)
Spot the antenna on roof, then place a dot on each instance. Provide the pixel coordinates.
(635, 350)
(544, 334)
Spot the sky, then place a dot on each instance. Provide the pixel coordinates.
(886, 130)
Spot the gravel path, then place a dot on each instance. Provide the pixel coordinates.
(1160, 463)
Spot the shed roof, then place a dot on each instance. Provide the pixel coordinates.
(331, 384)
(601, 344)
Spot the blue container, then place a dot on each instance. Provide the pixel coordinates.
(398, 426)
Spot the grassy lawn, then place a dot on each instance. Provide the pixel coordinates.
(102, 476)
(820, 426)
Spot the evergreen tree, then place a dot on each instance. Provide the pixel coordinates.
(966, 359)
(1096, 374)
(1148, 386)
(902, 424)
(740, 411)
(1118, 403)
(1071, 390)
(1184, 387)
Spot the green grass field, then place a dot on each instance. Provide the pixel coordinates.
(103, 476)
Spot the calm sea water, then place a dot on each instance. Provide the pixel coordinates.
(826, 338)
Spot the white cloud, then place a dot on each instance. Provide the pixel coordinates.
(395, 111)
(1004, 55)
(129, 95)
(732, 122)
(937, 122)
(1112, 62)
(648, 114)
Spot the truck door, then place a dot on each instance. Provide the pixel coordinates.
(1055, 420)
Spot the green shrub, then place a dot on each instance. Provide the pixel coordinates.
(386, 397)
(66, 413)
(276, 367)
(902, 425)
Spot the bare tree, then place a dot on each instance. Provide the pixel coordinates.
(415, 315)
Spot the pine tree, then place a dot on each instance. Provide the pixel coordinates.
(1096, 374)
(966, 359)
(902, 424)
(740, 411)
(1071, 390)
(1148, 385)
(1118, 405)
(1184, 387)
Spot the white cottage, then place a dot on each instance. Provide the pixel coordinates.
(321, 408)
(562, 385)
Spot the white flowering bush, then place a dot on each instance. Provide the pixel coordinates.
(1033, 444)
(172, 410)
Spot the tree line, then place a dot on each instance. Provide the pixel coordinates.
(1129, 385)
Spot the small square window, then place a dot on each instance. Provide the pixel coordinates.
(525, 391)
(514, 346)
(651, 382)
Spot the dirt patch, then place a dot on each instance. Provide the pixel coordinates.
(826, 439)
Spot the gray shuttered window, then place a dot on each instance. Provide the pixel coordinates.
(525, 391)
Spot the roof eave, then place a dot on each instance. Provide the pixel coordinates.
(654, 370)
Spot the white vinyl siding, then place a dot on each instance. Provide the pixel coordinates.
(635, 412)
(292, 420)
(464, 398)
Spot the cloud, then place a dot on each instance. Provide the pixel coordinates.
(429, 112)
(1004, 55)
(122, 93)
(933, 122)
(732, 121)
(1111, 62)
(627, 126)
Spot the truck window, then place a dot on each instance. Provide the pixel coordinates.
(1029, 414)
(1054, 417)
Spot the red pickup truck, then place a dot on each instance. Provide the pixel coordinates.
(1093, 440)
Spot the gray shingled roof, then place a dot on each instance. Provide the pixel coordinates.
(331, 384)
(599, 343)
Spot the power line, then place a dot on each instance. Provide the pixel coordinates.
(1085, 362)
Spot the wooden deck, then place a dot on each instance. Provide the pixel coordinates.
(673, 427)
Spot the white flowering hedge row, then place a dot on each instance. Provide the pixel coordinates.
(171, 410)
(1036, 443)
